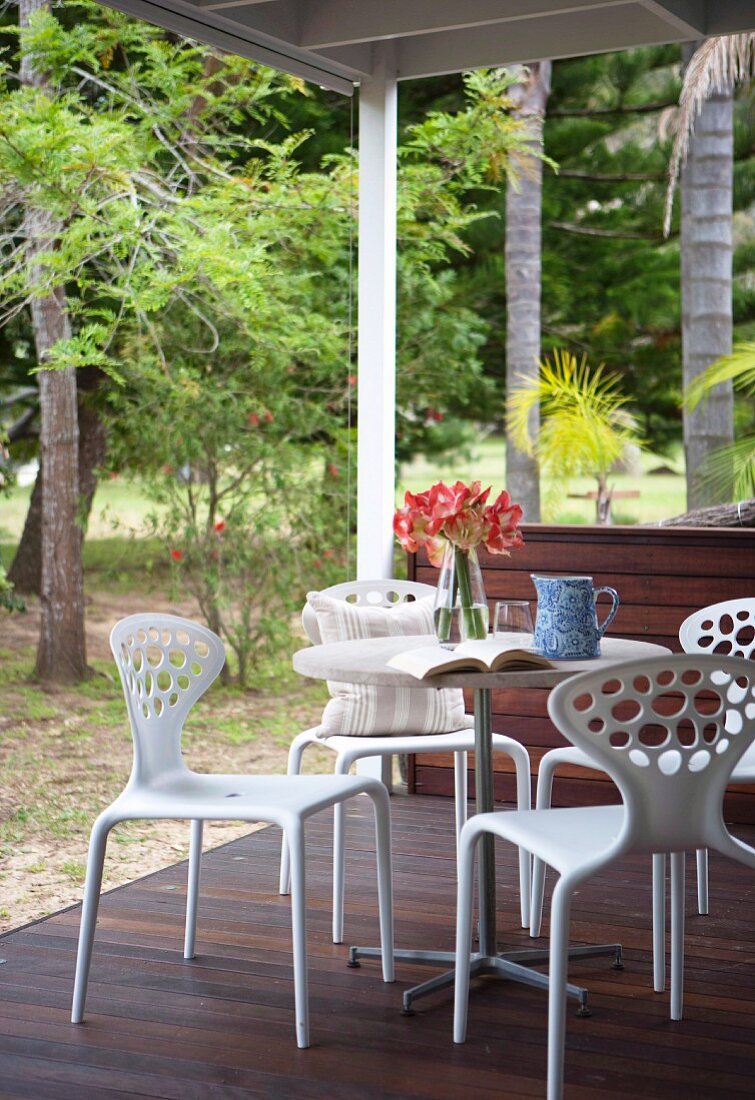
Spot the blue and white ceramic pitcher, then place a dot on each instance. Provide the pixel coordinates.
(567, 627)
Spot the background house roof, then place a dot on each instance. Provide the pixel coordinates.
(331, 42)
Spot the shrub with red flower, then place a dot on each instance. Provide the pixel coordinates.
(176, 554)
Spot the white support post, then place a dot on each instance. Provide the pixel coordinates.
(376, 444)
(376, 447)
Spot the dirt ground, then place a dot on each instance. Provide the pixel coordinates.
(66, 753)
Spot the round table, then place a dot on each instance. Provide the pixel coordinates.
(364, 662)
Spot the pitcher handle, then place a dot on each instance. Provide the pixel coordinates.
(614, 608)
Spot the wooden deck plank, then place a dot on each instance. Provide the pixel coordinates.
(221, 1026)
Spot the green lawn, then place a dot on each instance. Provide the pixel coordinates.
(120, 508)
(661, 495)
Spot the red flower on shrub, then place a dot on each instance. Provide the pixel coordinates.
(176, 554)
(269, 418)
(254, 420)
(333, 469)
(220, 526)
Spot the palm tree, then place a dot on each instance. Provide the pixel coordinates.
(523, 264)
(703, 155)
(585, 427)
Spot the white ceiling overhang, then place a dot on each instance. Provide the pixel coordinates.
(332, 42)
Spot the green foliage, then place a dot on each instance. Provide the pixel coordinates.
(737, 459)
(208, 274)
(610, 283)
(585, 427)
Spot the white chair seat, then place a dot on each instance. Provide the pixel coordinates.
(564, 838)
(273, 798)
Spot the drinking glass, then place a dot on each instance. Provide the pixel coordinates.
(513, 617)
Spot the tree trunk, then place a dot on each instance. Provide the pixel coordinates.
(61, 655)
(25, 572)
(706, 255)
(523, 265)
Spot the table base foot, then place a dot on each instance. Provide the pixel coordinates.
(513, 965)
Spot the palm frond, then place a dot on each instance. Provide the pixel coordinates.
(717, 65)
(730, 471)
(738, 367)
(584, 427)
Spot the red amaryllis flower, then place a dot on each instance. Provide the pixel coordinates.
(503, 517)
(460, 515)
(176, 554)
(410, 522)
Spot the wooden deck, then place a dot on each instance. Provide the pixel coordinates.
(221, 1026)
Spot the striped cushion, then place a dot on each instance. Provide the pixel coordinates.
(361, 710)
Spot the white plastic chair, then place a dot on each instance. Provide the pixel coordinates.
(166, 664)
(668, 730)
(391, 593)
(727, 627)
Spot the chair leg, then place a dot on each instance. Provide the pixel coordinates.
(90, 905)
(381, 806)
(192, 888)
(702, 881)
(342, 767)
(295, 842)
(521, 759)
(557, 972)
(677, 934)
(542, 802)
(339, 870)
(295, 753)
(465, 883)
(460, 793)
(659, 922)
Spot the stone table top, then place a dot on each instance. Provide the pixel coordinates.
(364, 662)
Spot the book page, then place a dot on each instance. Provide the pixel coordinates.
(487, 649)
(482, 655)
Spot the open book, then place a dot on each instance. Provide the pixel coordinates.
(488, 655)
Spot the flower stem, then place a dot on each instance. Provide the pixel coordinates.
(472, 617)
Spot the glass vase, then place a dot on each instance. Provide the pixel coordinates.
(461, 607)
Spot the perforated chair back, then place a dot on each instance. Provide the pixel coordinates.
(379, 593)
(165, 663)
(668, 730)
(727, 627)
